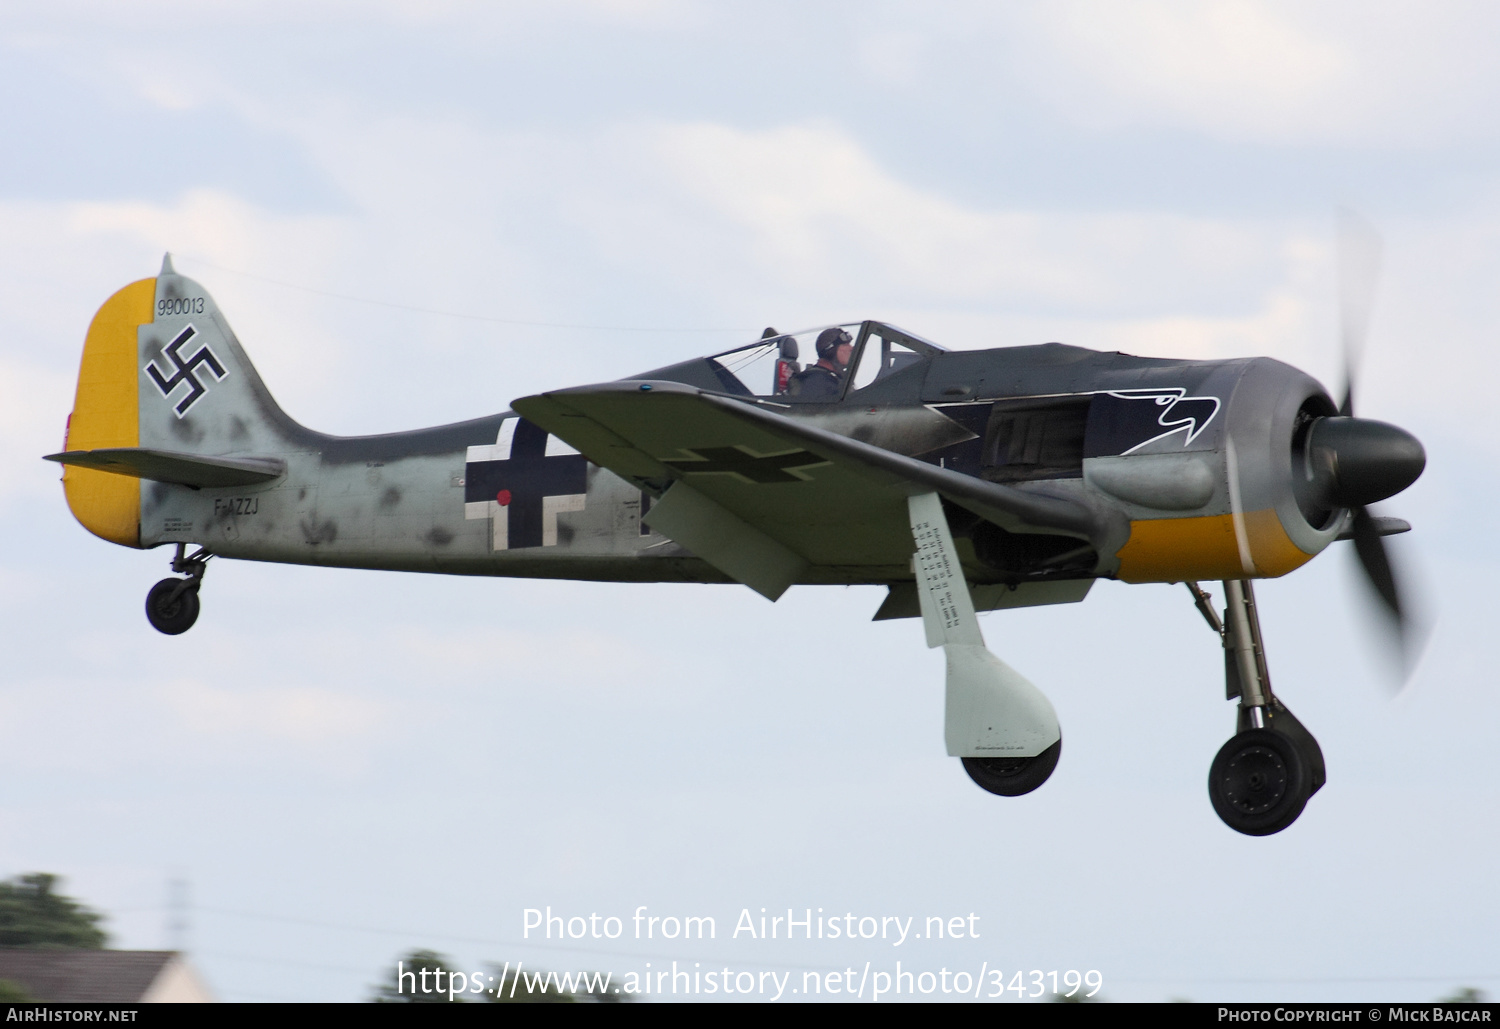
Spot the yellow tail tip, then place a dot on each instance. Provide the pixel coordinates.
(106, 413)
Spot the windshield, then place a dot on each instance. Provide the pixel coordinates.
(775, 365)
(814, 365)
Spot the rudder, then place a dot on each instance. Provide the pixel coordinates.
(106, 414)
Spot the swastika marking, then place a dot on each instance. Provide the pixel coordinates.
(184, 370)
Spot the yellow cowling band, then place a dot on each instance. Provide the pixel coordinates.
(1209, 547)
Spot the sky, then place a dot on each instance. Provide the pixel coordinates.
(413, 213)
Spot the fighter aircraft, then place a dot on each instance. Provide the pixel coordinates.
(962, 481)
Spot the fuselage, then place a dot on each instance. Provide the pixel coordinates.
(1187, 468)
(1191, 461)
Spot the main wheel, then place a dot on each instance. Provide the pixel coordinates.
(1013, 776)
(1259, 782)
(168, 614)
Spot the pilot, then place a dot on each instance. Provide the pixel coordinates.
(823, 380)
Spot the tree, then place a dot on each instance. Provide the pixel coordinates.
(512, 987)
(31, 915)
(420, 977)
(1077, 998)
(426, 977)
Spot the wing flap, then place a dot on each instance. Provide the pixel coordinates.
(715, 534)
(194, 470)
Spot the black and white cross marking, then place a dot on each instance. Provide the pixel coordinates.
(745, 464)
(184, 370)
(522, 488)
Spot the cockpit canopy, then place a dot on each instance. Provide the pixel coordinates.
(780, 364)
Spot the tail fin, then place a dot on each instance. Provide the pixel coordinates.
(165, 392)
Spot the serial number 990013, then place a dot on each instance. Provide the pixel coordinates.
(184, 305)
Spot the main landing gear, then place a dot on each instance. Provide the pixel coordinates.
(1262, 778)
(1013, 776)
(172, 604)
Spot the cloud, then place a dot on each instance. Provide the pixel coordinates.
(806, 211)
(1237, 65)
(1371, 75)
(121, 717)
(688, 741)
(661, 222)
(898, 57)
(307, 716)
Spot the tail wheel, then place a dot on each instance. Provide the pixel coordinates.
(1013, 776)
(172, 606)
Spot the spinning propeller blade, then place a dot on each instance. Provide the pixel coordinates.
(1359, 272)
(1364, 461)
(1376, 563)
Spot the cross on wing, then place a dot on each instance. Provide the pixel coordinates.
(745, 464)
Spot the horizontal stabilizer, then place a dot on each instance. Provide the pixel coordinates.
(194, 470)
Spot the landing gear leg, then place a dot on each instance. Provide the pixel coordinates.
(999, 724)
(172, 604)
(1262, 778)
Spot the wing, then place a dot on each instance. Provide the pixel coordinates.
(766, 497)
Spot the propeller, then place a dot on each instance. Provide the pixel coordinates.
(1353, 462)
(1359, 255)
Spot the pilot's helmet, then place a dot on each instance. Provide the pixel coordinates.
(829, 341)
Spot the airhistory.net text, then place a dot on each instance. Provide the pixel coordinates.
(807, 924)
